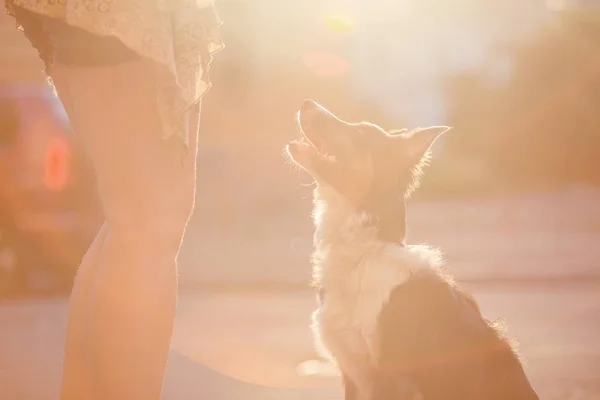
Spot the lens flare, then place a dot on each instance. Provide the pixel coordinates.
(325, 64)
(339, 22)
(56, 171)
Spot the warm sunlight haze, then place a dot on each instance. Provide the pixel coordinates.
(300, 199)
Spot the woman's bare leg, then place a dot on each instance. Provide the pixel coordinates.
(76, 371)
(123, 328)
(77, 383)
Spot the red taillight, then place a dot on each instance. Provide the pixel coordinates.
(57, 165)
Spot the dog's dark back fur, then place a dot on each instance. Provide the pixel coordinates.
(450, 352)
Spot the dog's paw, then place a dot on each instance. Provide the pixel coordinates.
(320, 368)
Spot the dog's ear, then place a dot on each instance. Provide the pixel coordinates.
(418, 142)
(397, 132)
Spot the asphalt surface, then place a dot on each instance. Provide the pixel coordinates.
(527, 237)
(233, 346)
(536, 261)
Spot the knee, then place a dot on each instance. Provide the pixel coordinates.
(157, 222)
(161, 230)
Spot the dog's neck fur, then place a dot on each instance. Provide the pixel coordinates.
(346, 235)
(387, 214)
(338, 221)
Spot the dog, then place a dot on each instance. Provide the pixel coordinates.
(393, 320)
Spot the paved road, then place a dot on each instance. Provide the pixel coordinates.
(234, 346)
(552, 235)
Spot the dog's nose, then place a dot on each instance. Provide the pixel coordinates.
(308, 105)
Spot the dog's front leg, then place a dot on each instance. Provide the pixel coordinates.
(350, 391)
(394, 387)
(358, 384)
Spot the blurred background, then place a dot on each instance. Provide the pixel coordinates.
(511, 196)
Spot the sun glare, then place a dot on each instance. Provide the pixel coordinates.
(339, 22)
(324, 64)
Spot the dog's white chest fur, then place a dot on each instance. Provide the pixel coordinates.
(357, 272)
(352, 303)
(346, 323)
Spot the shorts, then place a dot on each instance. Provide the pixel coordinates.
(55, 40)
(179, 47)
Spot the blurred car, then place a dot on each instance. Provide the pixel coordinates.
(49, 210)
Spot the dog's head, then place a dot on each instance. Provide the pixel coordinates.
(360, 161)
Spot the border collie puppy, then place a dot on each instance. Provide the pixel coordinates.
(397, 326)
